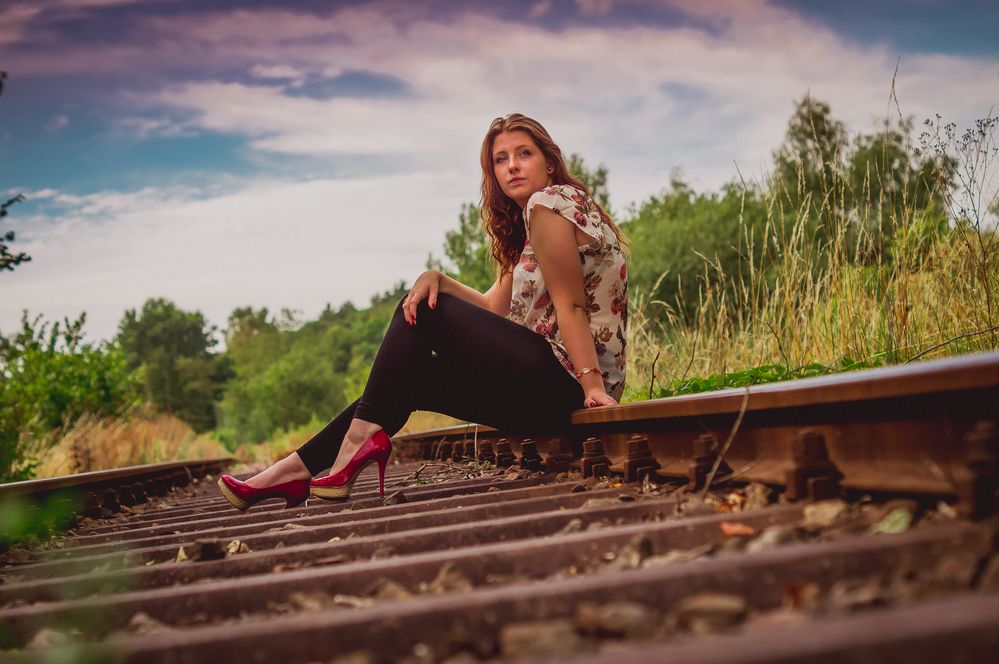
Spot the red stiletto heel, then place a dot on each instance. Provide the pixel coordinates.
(375, 449)
(242, 496)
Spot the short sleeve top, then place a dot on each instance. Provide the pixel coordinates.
(605, 282)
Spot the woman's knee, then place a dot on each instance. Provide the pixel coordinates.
(424, 304)
(423, 308)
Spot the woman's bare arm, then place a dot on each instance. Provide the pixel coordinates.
(556, 249)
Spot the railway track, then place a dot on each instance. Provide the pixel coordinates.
(849, 517)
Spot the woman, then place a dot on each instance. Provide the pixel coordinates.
(450, 349)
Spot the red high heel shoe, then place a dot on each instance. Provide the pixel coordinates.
(243, 496)
(375, 449)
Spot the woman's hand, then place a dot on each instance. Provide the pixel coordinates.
(598, 397)
(427, 286)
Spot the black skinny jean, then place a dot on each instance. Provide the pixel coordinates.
(460, 360)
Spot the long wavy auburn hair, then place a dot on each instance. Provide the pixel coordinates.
(501, 215)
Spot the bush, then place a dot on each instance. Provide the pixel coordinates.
(51, 378)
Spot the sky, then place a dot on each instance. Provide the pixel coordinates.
(294, 153)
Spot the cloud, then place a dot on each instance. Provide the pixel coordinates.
(595, 7)
(284, 72)
(14, 22)
(41, 194)
(539, 9)
(57, 123)
(267, 243)
(607, 92)
(21, 21)
(141, 128)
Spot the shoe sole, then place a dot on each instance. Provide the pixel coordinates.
(233, 499)
(338, 492)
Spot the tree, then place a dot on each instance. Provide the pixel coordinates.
(813, 149)
(685, 235)
(9, 261)
(171, 347)
(468, 250)
(286, 376)
(897, 187)
(48, 378)
(869, 189)
(595, 181)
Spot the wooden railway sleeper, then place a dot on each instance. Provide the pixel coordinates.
(977, 490)
(813, 475)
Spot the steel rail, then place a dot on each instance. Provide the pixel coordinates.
(102, 492)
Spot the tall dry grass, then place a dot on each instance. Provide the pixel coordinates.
(930, 292)
(101, 443)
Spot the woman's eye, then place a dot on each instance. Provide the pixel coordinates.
(500, 159)
(525, 153)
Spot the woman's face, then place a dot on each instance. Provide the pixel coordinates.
(519, 166)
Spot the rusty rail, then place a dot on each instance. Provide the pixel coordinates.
(104, 492)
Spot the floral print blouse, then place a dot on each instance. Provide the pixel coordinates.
(605, 281)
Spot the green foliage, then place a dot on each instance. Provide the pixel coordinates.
(468, 250)
(822, 183)
(875, 181)
(171, 348)
(286, 373)
(595, 180)
(766, 373)
(51, 378)
(23, 522)
(9, 261)
(812, 153)
(684, 235)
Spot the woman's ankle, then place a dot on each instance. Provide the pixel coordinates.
(359, 431)
(294, 468)
(289, 469)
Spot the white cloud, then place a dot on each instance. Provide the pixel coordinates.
(266, 243)
(283, 72)
(40, 194)
(57, 123)
(143, 127)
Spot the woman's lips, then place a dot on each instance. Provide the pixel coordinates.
(516, 181)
